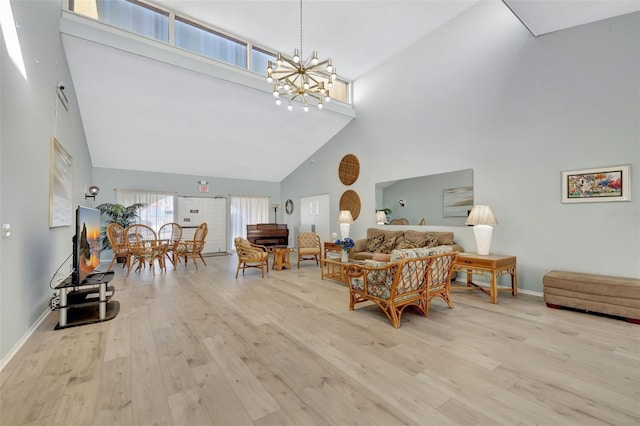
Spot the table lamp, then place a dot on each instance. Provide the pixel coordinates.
(381, 217)
(345, 220)
(482, 219)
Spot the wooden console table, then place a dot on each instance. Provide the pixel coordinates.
(495, 265)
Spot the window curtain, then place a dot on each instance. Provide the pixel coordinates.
(247, 211)
(158, 208)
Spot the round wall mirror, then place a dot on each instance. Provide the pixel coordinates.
(288, 206)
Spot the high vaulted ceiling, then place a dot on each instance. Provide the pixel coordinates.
(145, 107)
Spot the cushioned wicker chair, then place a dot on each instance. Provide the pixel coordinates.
(309, 247)
(250, 255)
(170, 234)
(406, 282)
(144, 247)
(192, 249)
(118, 243)
(399, 221)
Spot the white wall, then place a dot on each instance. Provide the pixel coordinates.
(33, 252)
(482, 93)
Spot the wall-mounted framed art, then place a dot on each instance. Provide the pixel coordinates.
(60, 185)
(597, 185)
(457, 202)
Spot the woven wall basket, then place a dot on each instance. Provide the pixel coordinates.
(349, 169)
(350, 201)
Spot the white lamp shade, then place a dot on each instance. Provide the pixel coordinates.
(345, 216)
(381, 217)
(481, 215)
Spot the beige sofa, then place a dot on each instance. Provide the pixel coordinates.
(393, 239)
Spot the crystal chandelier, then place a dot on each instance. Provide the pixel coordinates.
(305, 81)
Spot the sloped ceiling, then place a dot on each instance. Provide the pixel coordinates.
(149, 108)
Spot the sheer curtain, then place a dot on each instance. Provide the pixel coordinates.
(247, 210)
(158, 208)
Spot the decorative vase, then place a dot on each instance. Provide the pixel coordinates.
(345, 255)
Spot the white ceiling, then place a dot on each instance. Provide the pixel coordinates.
(146, 112)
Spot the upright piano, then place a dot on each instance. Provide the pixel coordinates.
(268, 234)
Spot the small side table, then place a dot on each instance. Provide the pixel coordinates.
(280, 257)
(495, 265)
(332, 247)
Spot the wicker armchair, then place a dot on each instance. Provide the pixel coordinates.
(170, 234)
(192, 249)
(250, 255)
(309, 247)
(406, 282)
(118, 243)
(144, 247)
(399, 221)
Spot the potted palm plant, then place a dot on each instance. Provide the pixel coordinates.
(117, 213)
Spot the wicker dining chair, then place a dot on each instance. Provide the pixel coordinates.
(170, 234)
(193, 248)
(144, 247)
(118, 243)
(309, 247)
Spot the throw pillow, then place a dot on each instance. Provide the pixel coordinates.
(431, 241)
(405, 244)
(386, 246)
(374, 242)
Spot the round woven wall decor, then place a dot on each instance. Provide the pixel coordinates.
(350, 201)
(349, 169)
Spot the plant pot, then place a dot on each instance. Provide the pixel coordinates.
(344, 256)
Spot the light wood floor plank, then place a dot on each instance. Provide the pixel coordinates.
(202, 348)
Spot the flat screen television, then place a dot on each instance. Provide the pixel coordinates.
(86, 244)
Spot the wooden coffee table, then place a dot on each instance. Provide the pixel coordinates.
(335, 269)
(493, 264)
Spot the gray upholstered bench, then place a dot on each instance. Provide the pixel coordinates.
(603, 294)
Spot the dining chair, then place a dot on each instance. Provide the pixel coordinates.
(118, 243)
(144, 247)
(170, 234)
(192, 249)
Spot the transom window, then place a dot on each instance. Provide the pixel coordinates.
(163, 25)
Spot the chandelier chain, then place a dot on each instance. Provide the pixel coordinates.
(301, 55)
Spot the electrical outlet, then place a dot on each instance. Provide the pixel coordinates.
(6, 230)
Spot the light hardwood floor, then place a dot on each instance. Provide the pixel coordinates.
(201, 348)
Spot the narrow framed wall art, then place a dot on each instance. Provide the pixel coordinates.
(597, 185)
(60, 185)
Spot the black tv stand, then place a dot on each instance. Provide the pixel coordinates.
(88, 302)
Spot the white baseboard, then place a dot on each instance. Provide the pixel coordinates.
(23, 339)
(520, 290)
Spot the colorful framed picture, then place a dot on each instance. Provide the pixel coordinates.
(597, 185)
